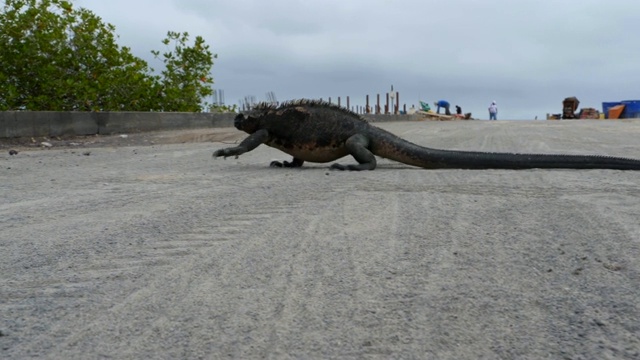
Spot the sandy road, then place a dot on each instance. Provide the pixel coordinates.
(162, 252)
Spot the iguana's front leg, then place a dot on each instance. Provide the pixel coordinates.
(358, 146)
(248, 144)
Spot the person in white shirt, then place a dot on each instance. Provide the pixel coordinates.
(493, 111)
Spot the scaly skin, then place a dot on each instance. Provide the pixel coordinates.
(320, 132)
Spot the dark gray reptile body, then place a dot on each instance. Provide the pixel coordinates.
(320, 132)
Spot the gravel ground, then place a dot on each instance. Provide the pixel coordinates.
(146, 247)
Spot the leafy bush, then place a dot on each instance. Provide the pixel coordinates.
(56, 57)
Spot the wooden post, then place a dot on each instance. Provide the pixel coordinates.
(386, 106)
(378, 105)
(348, 105)
(397, 109)
(338, 100)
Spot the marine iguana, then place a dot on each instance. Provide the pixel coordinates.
(317, 131)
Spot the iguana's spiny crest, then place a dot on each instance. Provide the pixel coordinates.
(302, 103)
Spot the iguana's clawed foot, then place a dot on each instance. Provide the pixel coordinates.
(226, 152)
(358, 167)
(341, 167)
(286, 164)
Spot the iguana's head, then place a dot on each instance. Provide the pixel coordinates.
(248, 124)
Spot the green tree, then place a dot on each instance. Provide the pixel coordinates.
(185, 80)
(56, 57)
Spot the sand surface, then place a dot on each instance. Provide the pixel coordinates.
(152, 249)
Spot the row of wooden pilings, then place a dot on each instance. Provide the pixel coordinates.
(391, 105)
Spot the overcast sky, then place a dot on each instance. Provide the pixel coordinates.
(528, 55)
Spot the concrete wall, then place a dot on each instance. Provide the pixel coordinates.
(51, 123)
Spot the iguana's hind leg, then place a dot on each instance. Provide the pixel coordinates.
(294, 163)
(358, 148)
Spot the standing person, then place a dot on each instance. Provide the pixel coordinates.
(442, 104)
(493, 111)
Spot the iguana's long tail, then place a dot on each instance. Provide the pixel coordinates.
(394, 148)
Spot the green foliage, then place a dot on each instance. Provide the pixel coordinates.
(56, 57)
(221, 108)
(186, 77)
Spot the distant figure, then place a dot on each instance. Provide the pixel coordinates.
(458, 110)
(442, 104)
(493, 111)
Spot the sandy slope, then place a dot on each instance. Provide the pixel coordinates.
(162, 252)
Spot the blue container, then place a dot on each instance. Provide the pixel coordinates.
(631, 109)
(608, 105)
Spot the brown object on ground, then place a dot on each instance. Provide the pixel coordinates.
(589, 113)
(569, 107)
(616, 111)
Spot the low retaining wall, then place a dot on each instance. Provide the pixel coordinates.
(53, 123)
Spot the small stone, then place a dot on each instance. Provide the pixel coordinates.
(124, 136)
(46, 144)
(86, 153)
(13, 152)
